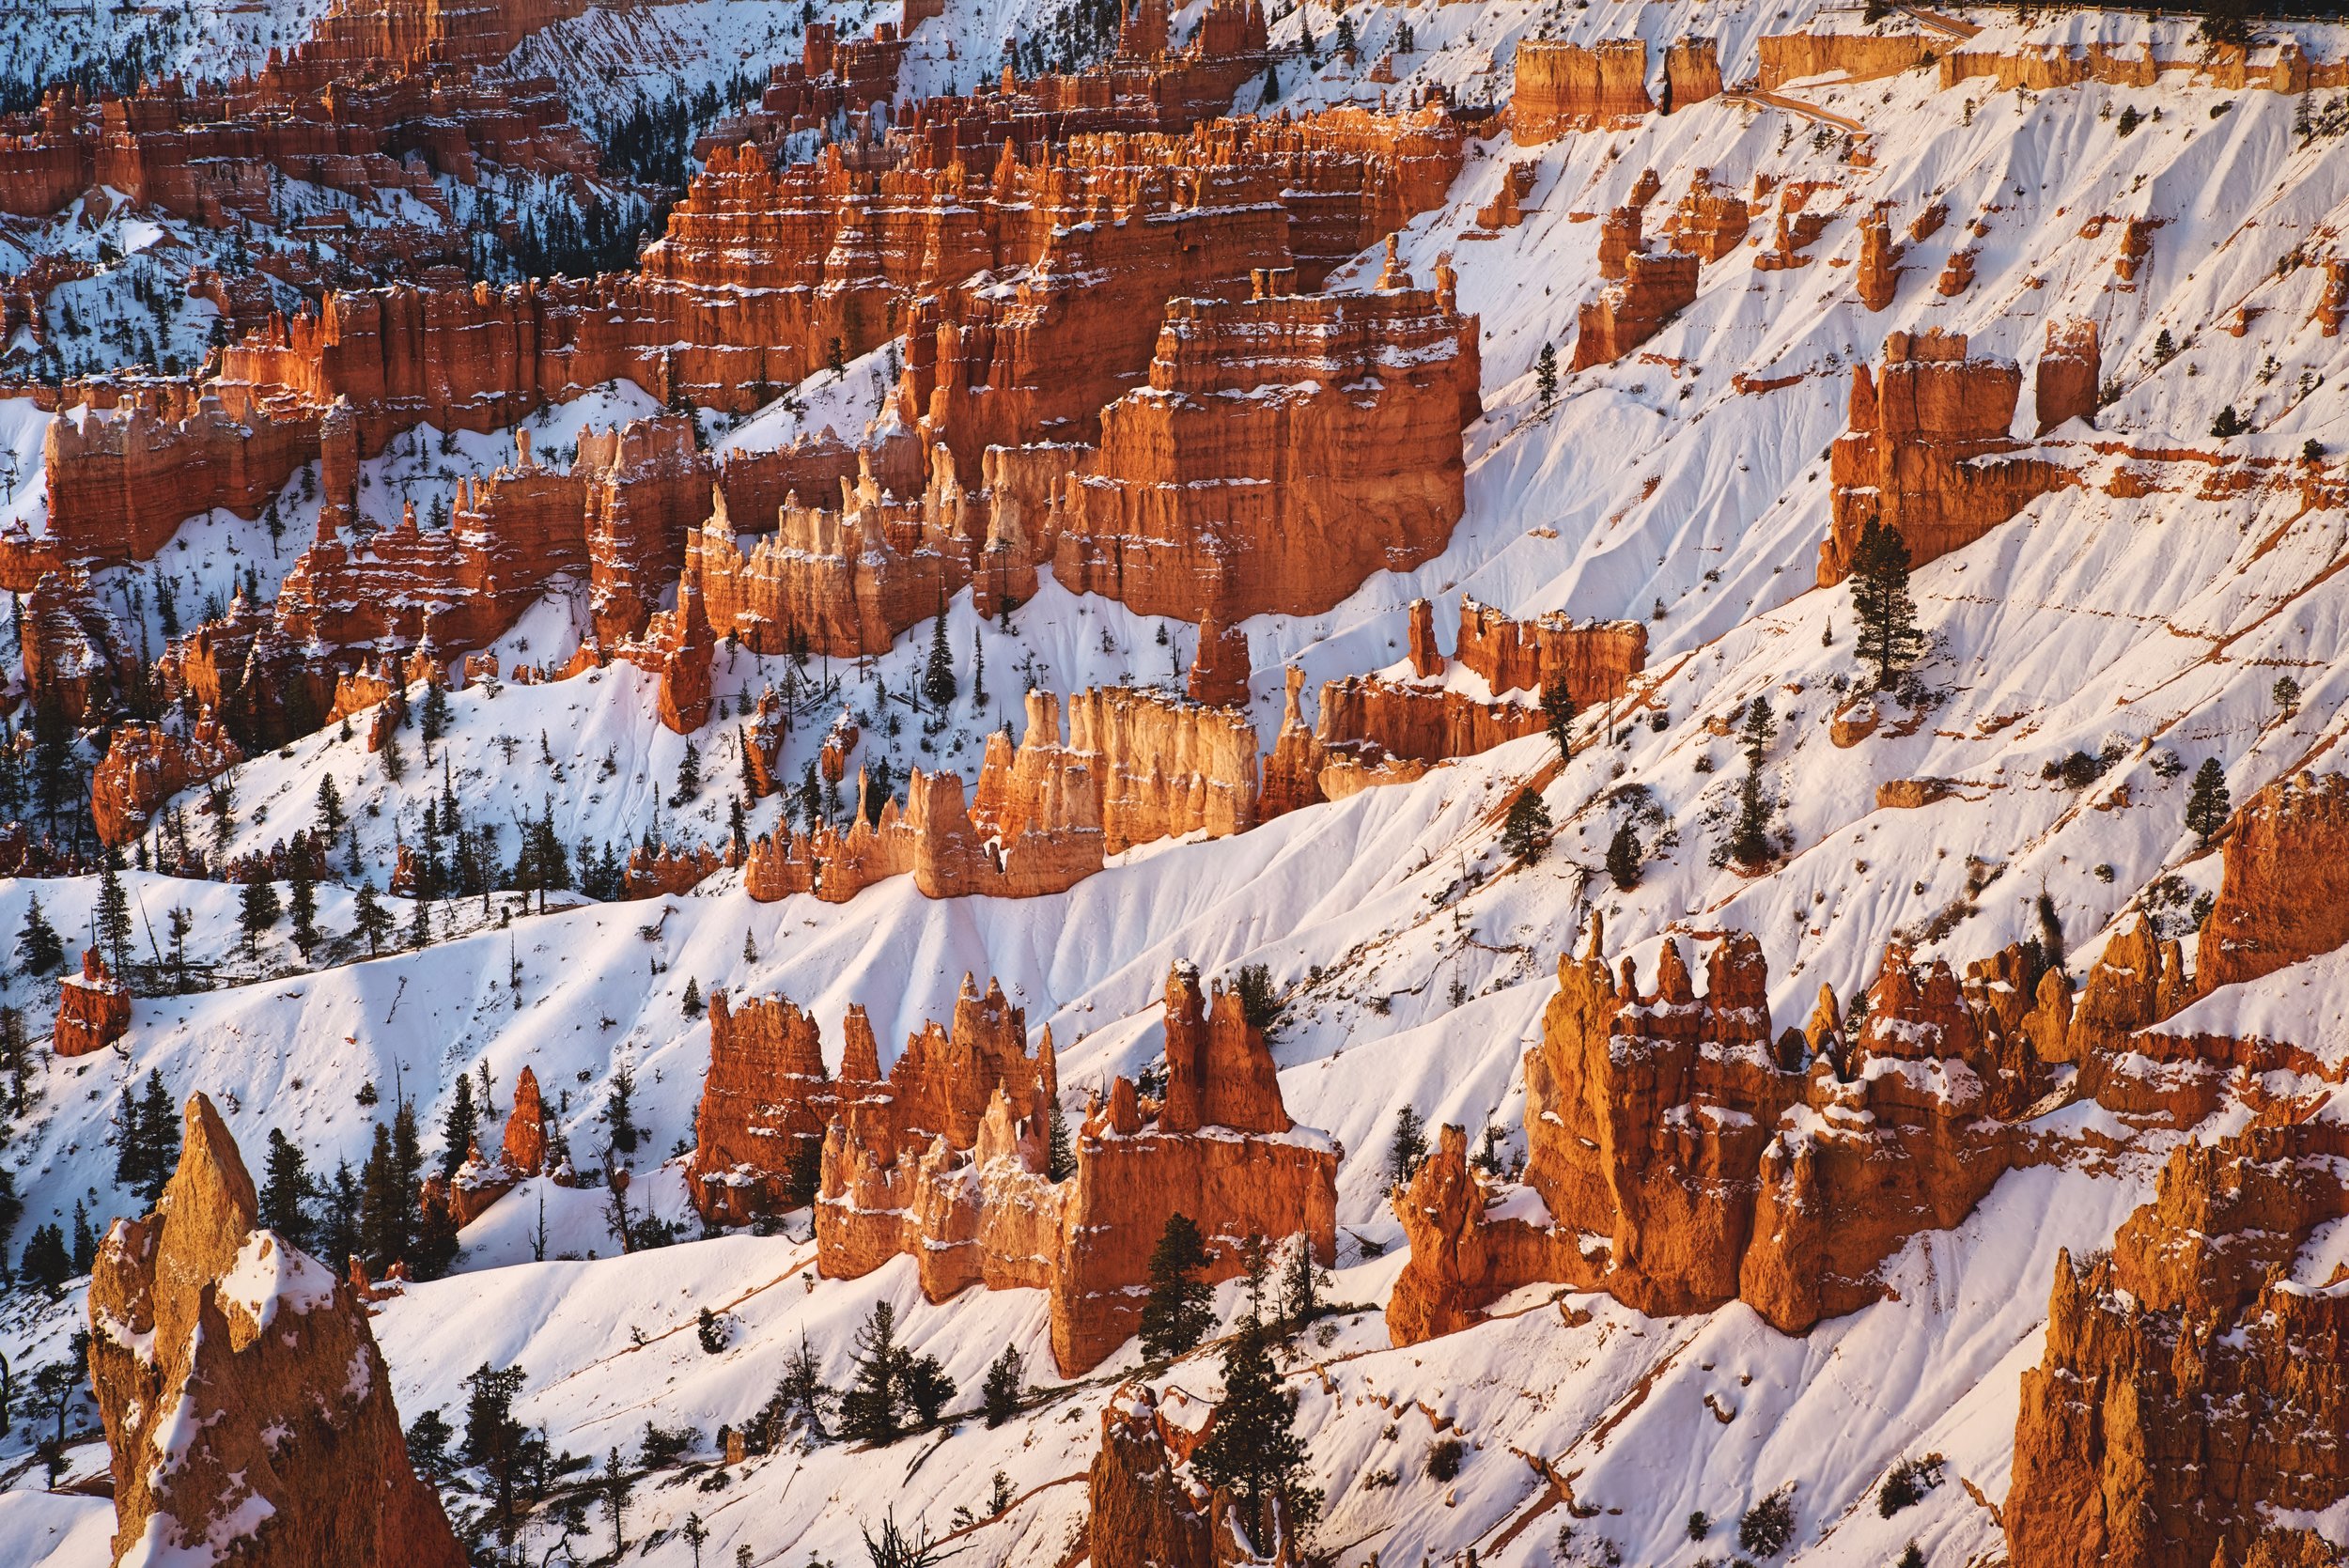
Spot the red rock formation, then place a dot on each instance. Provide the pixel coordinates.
(1680, 1157)
(2190, 1388)
(2333, 304)
(1219, 671)
(1143, 1509)
(1427, 660)
(1879, 272)
(652, 872)
(146, 764)
(763, 1111)
(93, 1009)
(1692, 73)
(249, 1367)
(2283, 895)
(1562, 87)
(1796, 229)
(1710, 221)
(967, 1196)
(1141, 765)
(1857, 56)
(74, 649)
(1618, 239)
(1914, 459)
(1596, 659)
(524, 1146)
(1625, 314)
(1287, 447)
(2070, 368)
(1957, 275)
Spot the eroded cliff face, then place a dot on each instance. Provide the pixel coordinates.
(247, 1409)
(763, 1111)
(1287, 447)
(2284, 895)
(949, 1165)
(146, 764)
(93, 1009)
(1564, 86)
(1680, 1157)
(2188, 1407)
(1928, 454)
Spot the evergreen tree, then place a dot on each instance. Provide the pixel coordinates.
(395, 766)
(46, 1263)
(938, 673)
(612, 1490)
(37, 947)
(691, 1004)
(420, 922)
(301, 901)
(868, 1411)
(1623, 858)
(287, 1191)
(114, 921)
(802, 1393)
(1060, 1158)
(1300, 1285)
(386, 1206)
(1749, 839)
(1410, 1146)
(1178, 1311)
(84, 1240)
(459, 1127)
(1546, 374)
(338, 1234)
(495, 1442)
(620, 1113)
(1525, 832)
(331, 815)
(689, 775)
(999, 1396)
(258, 910)
(158, 1129)
(433, 1252)
(2050, 931)
(2207, 802)
(1252, 1451)
(369, 919)
(1557, 716)
(1884, 613)
(978, 670)
(16, 1062)
(927, 1388)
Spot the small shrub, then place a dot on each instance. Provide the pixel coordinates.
(1445, 1456)
(1699, 1525)
(1769, 1524)
(1258, 1001)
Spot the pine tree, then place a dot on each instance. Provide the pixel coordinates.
(1882, 610)
(691, 1004)
(1525, 832)
(37, 947)
(999, 1396)
(802, 1393)
(287, 1191)
(459, 1127)
(620, 1113)
(1623, 859)
(339, 1233)
(369, 919)
(978, 670)
(1749, 839)
(301, 901)
(1557, 716)
(330, 816)
(258, 910)
(114, 921)
(868, 1411)
(385, 1205)
(938, 675)
(420, 922)
(1410, 1146)
(84, 1240)
(395, 766)
(2050, 931)
(46, 1263)
(1252, 1451)
(1300, 1285)
(433, 1252)
(1177, 1313)
(2207, 802)
(1060, 1159)
(689, 775)
(16, 1062)
(1546, 374)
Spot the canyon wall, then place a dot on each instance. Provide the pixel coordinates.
(1562, 87)
(2283, 895)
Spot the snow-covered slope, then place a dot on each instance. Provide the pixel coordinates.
(1414, 962)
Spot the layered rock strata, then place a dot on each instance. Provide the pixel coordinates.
(93, 1009)
(1928, 453)
(1562, 87)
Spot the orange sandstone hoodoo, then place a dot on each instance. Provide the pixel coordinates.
(906, 1169)
(247, 1367)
